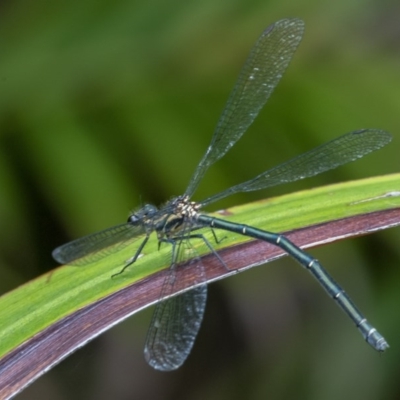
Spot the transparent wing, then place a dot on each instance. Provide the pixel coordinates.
(93, 247)
(339, 151)
(260, 74)
(174, 328)
(176, 320)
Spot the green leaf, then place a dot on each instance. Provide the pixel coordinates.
(46, 319)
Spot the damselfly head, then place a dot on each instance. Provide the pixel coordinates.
(147, 211)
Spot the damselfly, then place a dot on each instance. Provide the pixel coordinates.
(176, 320)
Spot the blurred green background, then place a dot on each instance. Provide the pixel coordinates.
(106, 105)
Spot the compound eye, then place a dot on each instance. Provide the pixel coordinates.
(133, 219)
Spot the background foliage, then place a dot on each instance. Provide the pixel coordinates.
(105, 105)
